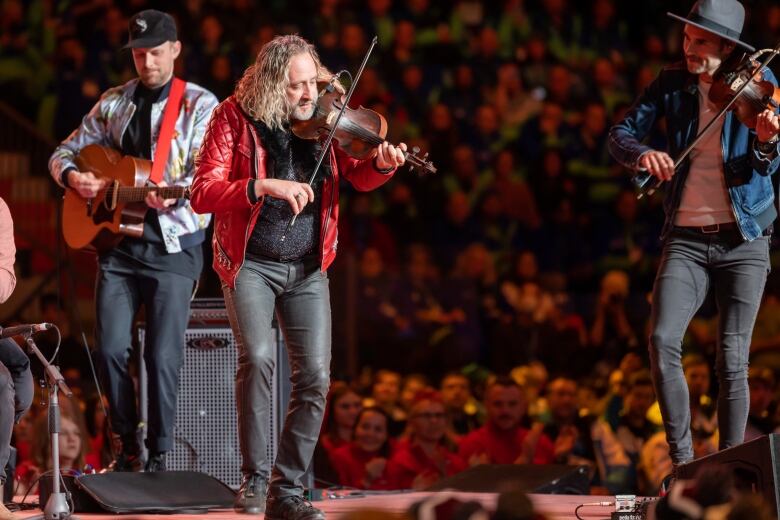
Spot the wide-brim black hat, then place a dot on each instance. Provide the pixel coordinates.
(151, 28)
(722, 17)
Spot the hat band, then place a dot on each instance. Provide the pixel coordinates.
(714, 26)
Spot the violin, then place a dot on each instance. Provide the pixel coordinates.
(359, 131)
(759, 94)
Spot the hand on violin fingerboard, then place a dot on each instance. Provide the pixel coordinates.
(767, 126)
(389, 156)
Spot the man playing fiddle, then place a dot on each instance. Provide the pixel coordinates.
(253, 176)
(719, 213)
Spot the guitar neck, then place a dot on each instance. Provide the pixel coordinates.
(136, 194)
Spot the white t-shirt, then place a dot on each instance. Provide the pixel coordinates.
(705, 198)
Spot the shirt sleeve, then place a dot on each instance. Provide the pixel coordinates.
(7, 253)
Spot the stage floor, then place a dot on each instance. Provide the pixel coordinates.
(554, 507)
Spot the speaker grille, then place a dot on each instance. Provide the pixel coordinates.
(206, 431)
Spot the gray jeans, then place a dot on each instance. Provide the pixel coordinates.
(298, 292)
(691, 263)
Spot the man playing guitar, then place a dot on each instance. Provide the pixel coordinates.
(160, 268)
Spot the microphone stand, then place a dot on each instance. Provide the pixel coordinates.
(326, 145)
(57, 507)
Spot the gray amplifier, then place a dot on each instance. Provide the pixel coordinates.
(206, 432)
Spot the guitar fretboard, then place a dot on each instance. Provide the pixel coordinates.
(138, 194)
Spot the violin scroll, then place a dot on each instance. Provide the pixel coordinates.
(742, 77)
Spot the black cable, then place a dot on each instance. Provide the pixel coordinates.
(577, 511)
(59, 342)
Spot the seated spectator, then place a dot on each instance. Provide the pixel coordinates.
(760, 422)
(73, 447)
(99, 432)
(362, 462)
(424, 457)
(503, 439)
(342, 410)
(655, 464)
(412, 385)
(634, 429)
(386, 394)
(612, 330)
(584, 439)
(532, 378)
(463, 411)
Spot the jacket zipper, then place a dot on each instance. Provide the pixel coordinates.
(330, 208)
(246, 231)
(728, 189)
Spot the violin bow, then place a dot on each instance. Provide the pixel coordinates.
(641, 179)
(326, 146)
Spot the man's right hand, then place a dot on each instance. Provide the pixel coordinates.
(297, 194)
(85, 183)
(658, 164)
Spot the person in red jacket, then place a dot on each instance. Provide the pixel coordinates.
(425, 456)
(503, 439)
(362, 463)
(253, 176)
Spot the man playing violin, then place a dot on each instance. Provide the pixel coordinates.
(719, 213)
(253, 176)
(160, 269)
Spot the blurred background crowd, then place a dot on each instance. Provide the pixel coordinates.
(498, 308)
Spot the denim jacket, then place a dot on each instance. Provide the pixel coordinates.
(674, 94)
(106, 123)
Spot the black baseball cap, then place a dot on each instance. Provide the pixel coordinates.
(151, 28)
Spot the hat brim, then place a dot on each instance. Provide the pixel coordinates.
(144, 43)
(711, 30)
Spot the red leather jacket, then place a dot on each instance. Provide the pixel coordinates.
(231, 155)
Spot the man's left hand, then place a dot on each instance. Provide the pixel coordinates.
(389, 156)
(156, 202)
(767, 126)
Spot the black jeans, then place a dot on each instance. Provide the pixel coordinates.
(16, 394)
(298, 292)
(122, 287)
(691, 263)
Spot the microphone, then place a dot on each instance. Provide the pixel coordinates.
(31, 328)
(332, 83)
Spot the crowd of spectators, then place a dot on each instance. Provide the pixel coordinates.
(527, 249)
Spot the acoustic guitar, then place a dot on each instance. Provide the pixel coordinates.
(118, 210)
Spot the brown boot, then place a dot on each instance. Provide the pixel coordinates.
(5, 514)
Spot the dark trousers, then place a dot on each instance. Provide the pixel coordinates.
(692, 263)
(122, 287)
(298, 292)
(16, 394)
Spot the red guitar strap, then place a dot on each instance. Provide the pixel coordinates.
(166, 130)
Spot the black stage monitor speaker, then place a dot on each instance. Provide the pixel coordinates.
(156, 492)
(554, 479)
(755, 466)
(206, 432)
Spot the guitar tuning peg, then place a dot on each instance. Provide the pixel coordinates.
(415, 150)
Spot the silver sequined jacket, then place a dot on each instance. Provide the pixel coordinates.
(106, 123)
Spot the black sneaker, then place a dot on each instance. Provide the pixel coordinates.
(156, 462)
(251, 495)
(126, 462)
(291, 508)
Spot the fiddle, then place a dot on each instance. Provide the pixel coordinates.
(758, 95)
(359, 131)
